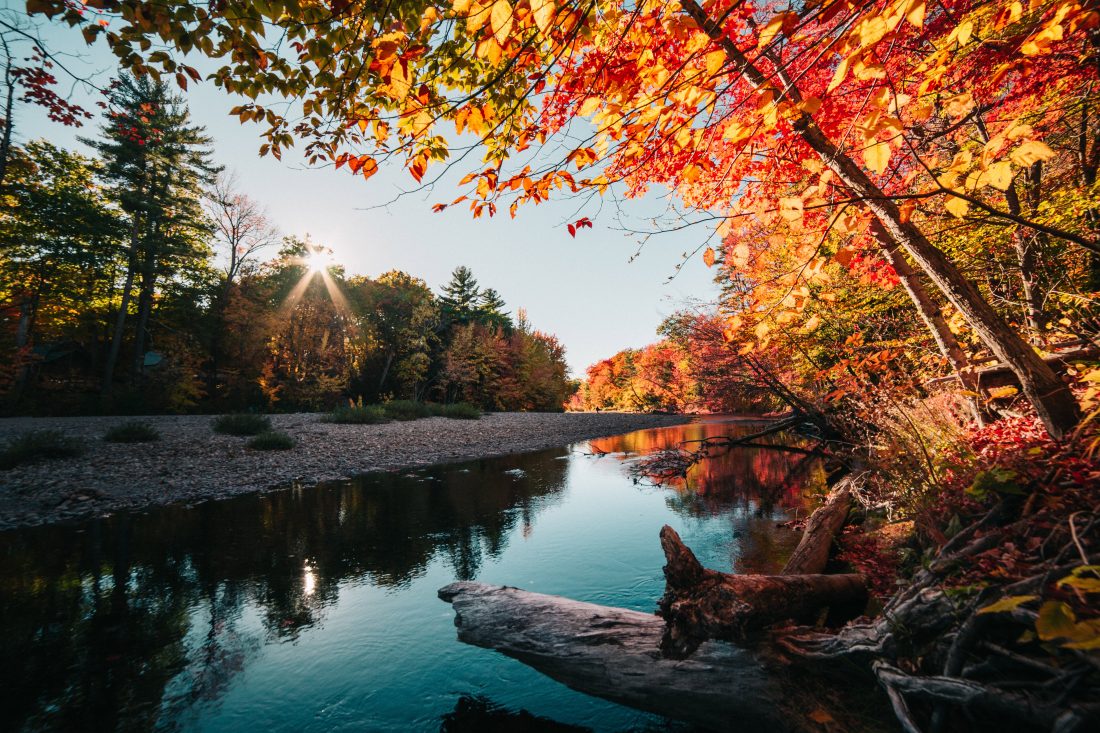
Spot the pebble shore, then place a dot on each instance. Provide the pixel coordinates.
(191, 463)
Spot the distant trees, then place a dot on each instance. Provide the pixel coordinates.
(143, 256)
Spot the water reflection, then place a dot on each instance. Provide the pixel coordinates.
(182, 618)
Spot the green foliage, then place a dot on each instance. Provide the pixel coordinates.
(39, 445)
(271, 440)
(357, 414)
(457, 411)
(406, 410)
(134, 431)
(996, 479)
(242, 423)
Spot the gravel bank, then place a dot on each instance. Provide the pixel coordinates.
(191, 463)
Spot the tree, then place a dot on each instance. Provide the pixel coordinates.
(157, 164)
(58, 243)
(461, 300)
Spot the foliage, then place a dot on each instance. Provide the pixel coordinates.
(134, 431)
(271, 440)
(406, 410)
(357, 414)
(456, 411)
(35, 446)
(242, 423)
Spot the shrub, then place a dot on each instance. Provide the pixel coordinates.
(357, 415)
(406, 410)
(242, 423)
(271, 440)
(39, 445)
(132, 432)
(458, 411)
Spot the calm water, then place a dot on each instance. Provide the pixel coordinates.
(315, 609)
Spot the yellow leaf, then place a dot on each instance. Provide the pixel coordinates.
(838, 76)
(915, 13)
(771, 30)
(715, 61)
(461, 7)
(957, 207)
(790, 208)
(877, 157)
(1030, 153)
(544, 11)
(959, 105)
(810, 106)
(589, 106)
(811, 324)
(501, 20)
(708, 257)
(1009, 603)
(999, 175)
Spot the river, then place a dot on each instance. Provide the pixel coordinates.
(315, 609)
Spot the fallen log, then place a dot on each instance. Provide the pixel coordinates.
(614, 653)
(700, 603)
(812, 553)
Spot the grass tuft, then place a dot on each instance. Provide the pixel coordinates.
(356, 415)
(132, 432)
(242, 423)
(271, 440)
(39, 445)
(457, 411)
(406, 410)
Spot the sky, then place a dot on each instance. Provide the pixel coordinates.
(585, 290)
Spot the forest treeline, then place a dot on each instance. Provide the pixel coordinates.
(139, 279)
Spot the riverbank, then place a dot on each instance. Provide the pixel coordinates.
(191, 463)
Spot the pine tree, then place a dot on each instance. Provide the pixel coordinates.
(461, 299)
(157, 163)
(491, 311)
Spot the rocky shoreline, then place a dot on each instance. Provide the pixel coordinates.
(191, 463)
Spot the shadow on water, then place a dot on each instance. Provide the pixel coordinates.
(312, 608)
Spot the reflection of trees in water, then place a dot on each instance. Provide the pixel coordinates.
(754, 487)
(125, 623)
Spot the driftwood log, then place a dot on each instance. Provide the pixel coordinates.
(614, 653)
(812, 554)
(700, 603)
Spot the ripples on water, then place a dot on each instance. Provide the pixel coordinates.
(314, 609)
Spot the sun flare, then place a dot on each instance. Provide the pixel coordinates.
(318, 261)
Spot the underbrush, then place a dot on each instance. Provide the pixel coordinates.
(271, 440)
(457, 411)
(406, 410)
(356, 414)
(242, 423)
(36, 446)
(132, 432)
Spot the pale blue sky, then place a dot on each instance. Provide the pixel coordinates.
(583, 290)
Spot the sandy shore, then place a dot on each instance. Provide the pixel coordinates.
(191, 463)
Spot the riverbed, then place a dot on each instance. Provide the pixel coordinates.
(315, 608)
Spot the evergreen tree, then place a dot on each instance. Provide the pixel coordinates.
(157, 164)
(491, 311)
(461, 299)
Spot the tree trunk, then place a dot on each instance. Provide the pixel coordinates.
(812, 553)
(124, 306)
(1052, 399)
(700, 603)
(932, 315)
(614, 653)
(145, 308)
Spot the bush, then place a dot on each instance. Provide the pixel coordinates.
(242, 423)
(457, 411)
(271, 440)
(39, 445)
(357, 415)
(132, 432)
(406, 410)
